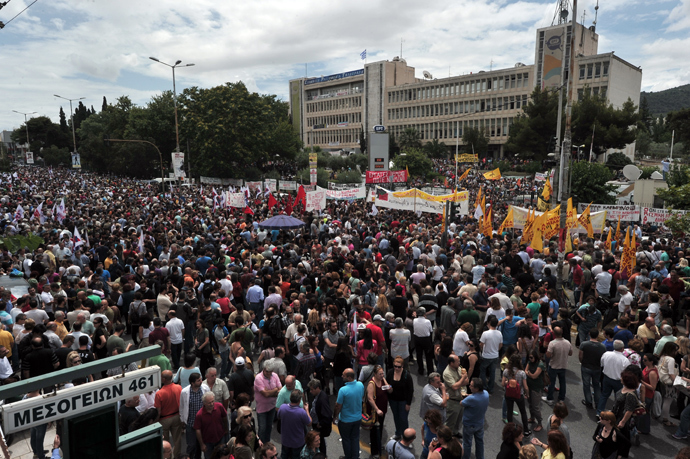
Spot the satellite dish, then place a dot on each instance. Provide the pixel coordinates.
(427, 75)
(656, 175)
(632, 172)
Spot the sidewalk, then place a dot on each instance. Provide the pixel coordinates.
(21, 449)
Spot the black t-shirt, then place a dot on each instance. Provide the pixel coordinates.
(39, 362)
(591, 354)
(61, 354)
(399, 305)
(242, 382)
(86, 355)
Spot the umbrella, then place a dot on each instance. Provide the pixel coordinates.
(281, 222)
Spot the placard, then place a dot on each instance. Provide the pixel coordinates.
(288, 185)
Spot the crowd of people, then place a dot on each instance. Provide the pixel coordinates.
(319, 328)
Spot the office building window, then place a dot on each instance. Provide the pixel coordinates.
(606, 68)
(483, 85)
(590, 68)
(493, 104)
(512, 81)
(519, 80)
(512, 102)
(500, 84)
(603, 92)
(597, 70)
(525, 80)
(582, 71)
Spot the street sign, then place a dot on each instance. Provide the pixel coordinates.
(76, 400)
(379, 128)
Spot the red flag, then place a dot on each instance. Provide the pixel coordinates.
(271, 200)
(301, 197)
(288, 208)
(248, 210)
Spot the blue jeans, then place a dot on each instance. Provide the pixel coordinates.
(489, 365)
(400, 415)
(561, 382)
(38, 435)
(593, 376)
(265, 421)
(610, 385)
(210, 447)
(684, 423)
(224, 367)
(190, 436)
(469, 432)
(349, 432)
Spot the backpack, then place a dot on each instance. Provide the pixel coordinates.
(274, 327)
(513, 389)
(368, 414)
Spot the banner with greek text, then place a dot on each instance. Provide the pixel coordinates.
(657, 216)
(236, 200)
(316, 200)
(354, 193)
(288, 185)
(613, 213)
(598, 220)
(271, 184)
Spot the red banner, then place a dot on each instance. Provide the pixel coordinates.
(386, 176)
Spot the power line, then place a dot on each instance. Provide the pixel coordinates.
(2, 25)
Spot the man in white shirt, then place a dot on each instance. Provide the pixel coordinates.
(478, 272)
(603, 280)
(175, 327)
(503, 298)
(625, 300)
(612, 365)
(422, 339)
(460, 342)
(490, 344)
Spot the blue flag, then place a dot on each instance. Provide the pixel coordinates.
(363, 54)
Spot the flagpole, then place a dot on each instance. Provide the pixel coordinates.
(457, 142)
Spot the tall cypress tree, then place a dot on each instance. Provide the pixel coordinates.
(63, 121)
(105, 104)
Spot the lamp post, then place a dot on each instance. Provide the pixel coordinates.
(26, 125)
(71, 118)
(578, 151)
(177, 132)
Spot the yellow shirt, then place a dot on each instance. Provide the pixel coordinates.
(547, 455)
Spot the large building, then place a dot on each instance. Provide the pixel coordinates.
(333, 111)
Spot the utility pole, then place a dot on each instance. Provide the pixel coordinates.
(566, 154)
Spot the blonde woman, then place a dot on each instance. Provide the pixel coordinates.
(382, 306)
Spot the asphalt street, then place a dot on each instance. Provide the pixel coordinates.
(581, 422)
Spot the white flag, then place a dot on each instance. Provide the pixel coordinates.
(374, 210)
(19, 213)
(478, 212)
(77, 239)
(38, 214)
(141, 242)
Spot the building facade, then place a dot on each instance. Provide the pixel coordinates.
(334, 111)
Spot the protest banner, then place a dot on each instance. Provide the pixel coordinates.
(316, 200)
(288, 185)
(354, 193)
(623, 213)
(656, 216)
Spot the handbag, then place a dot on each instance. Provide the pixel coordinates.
(368, 419)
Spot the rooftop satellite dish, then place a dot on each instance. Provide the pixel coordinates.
(427, 75)
(632, 172)
(656, 175)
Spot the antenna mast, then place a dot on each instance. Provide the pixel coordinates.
(562, 12)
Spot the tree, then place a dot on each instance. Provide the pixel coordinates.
(642, 143)
(679, 224)
(105, 104)
(588, 183)
(436, 149)
(676, 197)
(679, 122)
(647, 172)
(416, 161)
(349, 177)
(232, 129)
(63, 122)
(476, 141)
(322, 175)
(393, 147)
(618, 160)
(43, 133)
(531, 131)
(613, 128)
(410, 139)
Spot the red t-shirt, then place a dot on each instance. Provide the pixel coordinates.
(224, 303)
(377, 334)
(211, 424)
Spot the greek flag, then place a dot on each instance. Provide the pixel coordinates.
(363, 54)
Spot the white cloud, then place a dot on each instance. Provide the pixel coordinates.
(87, 48)
(679, 18)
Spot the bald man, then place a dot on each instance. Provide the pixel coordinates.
(167, 402)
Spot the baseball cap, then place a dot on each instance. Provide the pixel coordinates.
(361, 327)
(239, 361)
(378, 317)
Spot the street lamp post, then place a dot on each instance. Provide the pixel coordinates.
(578, 151)
(177, 131)
(71, 118)
(26, 125)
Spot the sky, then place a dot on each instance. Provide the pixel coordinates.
(96, 48)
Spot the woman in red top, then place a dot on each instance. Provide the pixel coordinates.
(650, 378)
(366, 345)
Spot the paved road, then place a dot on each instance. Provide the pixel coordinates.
(581, 423)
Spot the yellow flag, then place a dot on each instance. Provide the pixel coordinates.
(586, 221)
(548, 189)
(529, 226)
(509, 221)
(633, 248)
(493, 175)
(607, 244)
(626, 262)
(568, 242)
(552, 222)
(465, 174)
(488, 226)
(479, 198)
(537, 236)
(571, 215)
(618, 231)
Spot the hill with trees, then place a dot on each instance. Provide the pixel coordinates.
(668, 100)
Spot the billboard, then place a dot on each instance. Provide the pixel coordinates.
(178, 164)
(378, 151)
(554, 50)
(76, 161)
(29, 157)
